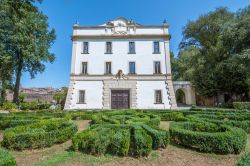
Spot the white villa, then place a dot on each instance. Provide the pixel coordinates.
(120, 65)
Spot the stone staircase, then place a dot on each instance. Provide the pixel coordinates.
(171, 93)
(69, 95)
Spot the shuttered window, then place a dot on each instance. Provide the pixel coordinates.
(85, 49)
(131, 67)
(108, 47)
(108, 68)
(131, 48)
(156, 47)
(84, 67)
(82, 96)
(158, 97)
(157, 67)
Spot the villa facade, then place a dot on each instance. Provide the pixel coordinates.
(120, 65)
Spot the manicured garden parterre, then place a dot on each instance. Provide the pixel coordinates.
(123, 133)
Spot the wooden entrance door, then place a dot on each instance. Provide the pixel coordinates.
(120, 99)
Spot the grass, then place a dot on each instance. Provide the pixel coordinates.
(68, 158)
(154, 155)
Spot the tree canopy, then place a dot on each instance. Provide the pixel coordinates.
(215, 53)
(26, 40)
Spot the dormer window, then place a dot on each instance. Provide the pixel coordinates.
(131, 48)
(108, 47)
(85, 49)
(156, 47)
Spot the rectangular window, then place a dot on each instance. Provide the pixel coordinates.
(108, 68)
(157, 67)
(156, 47)
(84, 67)
(131, 67)
(158, 97)
(108, 47)
(81, 96)
(131, 48)
(85, 48)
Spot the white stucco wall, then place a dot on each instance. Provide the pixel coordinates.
(146, 95)
(120, 58)
(93, 95)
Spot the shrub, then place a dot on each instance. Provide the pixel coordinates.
(120, 142)
(241, 105)
(9, 106)
(235, 120)
(38, 135)
(159, 137)
(125, 118)
(122, 133)
(6, 159)
(141, 142)
(93, 141)
(13, 121)
(34, 106)
(244, 161)
(173, 116)
(208, 137)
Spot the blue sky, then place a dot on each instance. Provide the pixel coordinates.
(64, 13)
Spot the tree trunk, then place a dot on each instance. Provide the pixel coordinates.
(18, 78)
(2, 90)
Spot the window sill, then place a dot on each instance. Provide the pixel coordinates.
(131, 53)
(108, 74)
(156, 52)
(84, 53)
(81, 103)
(130, 74)
(158, 103)
(157, 73)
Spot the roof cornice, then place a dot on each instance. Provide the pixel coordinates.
(128, 36)
(137, 26)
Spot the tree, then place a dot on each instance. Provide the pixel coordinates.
(28, 38)
(60, 97)
(183, 64)
(220, 59)
(6, 62)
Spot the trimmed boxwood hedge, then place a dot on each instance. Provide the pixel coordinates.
(244, 161)
(241, 105)
(126, 117)
(6, 159)
(208, 137)
(127, 133)
(241, 121)
(13, 121)
(38, 135)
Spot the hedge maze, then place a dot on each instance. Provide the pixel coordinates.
(209, 137)
(38, 135)
(127, 132)
(122, 134)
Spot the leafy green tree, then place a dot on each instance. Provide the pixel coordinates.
(60, 97)
(220, 59)
(28, 38)
(21, 97)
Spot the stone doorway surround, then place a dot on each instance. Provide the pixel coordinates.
(117, 84)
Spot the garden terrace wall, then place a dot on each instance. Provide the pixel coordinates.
(38, 135)
(208, 137)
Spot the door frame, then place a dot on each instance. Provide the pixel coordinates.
(121, 89)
